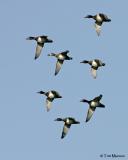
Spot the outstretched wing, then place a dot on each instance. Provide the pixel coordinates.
(65, 52)
(58, 66)
(57, 95)
(48, 104)
(98, 98)
(38, 49)
(94, 72)
(65, 130)
(90, 113)
(101, 105)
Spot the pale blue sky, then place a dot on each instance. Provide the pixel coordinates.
(27, 131)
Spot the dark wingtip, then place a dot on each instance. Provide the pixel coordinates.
(38, 92)
(50, 41)
(67, 51)
(41, 92)
(103, 64)
(82, 100)
(88, 16)
(77, 122)
(30, 38)
(84, 61)
(58, 119)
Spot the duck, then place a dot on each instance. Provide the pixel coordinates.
(99, 19)
(93, 104)
(51, 95)
(41, 40)
(61, 57)
(95, 64)
(68, 121)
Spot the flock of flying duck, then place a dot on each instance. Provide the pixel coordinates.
(61, 57)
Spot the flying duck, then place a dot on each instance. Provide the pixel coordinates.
(40, 43)
(60, 59)
(92, 106)
(99, 19)
(67, 124)
(95, 64)
(51, 95)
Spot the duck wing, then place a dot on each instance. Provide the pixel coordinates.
(58, 66)
(90, 113)
(65, 130)
(49, 103)
(98, 98)
(38, 49)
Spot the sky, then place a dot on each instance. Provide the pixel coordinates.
(27, 131)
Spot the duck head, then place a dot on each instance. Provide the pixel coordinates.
(103, 64)
(49, 40)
